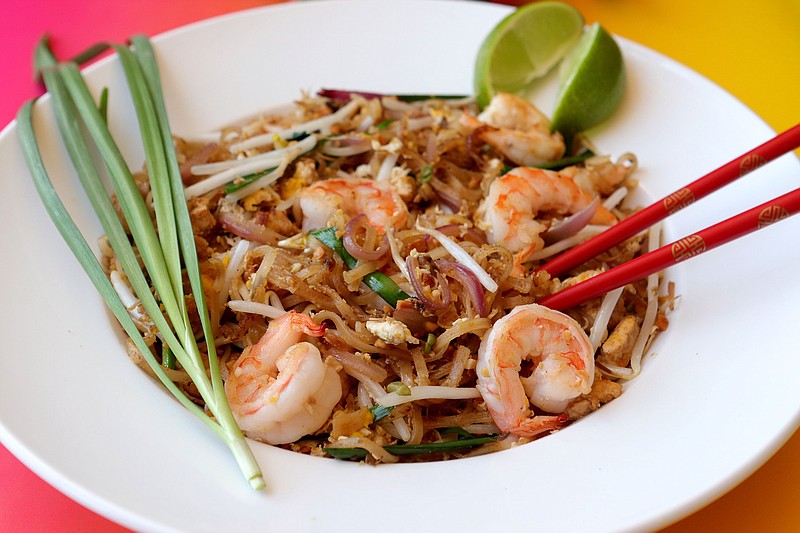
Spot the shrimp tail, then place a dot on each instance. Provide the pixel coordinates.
(306, 324)
(537, 425)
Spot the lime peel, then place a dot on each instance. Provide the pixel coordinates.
(524, 46)
(592, 83)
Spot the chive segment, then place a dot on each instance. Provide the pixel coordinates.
(380, 412)
(567, 161)
(414, 449)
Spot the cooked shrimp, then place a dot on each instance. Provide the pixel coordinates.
(516, 129)
(508, 213)
(280, 389)
(379, 201)
(600, 175)
(563, 368)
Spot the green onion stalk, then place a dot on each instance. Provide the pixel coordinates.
(164, 253)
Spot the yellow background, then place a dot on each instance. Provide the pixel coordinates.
(751, 49)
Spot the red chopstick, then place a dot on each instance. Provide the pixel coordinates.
(745, 163)
(713, 236)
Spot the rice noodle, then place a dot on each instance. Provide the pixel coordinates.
(457, 368)
(377, 451)
(467, 418)
(348, 335)
(460, 327)
(267, 260)
(415, 124)
(258, 264)
(403, 431)
(359, 365)
(398, 260)
(421, 367)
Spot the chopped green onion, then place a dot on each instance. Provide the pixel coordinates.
(459, 431)
(556, 165)
(379, 412)
(162, 252)
(103, 104)
(426, 174)
(168, 358)
(567, 161)
(429, 342)
(414, 449)
(423, 97)
(299, 136)
(383, 124)
(398, 387)
(377, 281)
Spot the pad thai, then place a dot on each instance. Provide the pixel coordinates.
(370, 269)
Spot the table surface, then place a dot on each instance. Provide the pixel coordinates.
(750, 49)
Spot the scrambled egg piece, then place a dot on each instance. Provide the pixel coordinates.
(391, 331)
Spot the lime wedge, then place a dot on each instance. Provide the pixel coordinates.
(591, 83)
(524, 46)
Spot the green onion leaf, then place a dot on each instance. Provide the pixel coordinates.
(414, 449)
(422, 97)
(567, 161)
(461, 432)
(162, 252)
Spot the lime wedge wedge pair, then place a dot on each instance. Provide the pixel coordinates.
(529, 42)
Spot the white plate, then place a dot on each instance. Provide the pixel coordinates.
(716, 399)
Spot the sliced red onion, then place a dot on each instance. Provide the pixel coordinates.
(468, 280)
(572, 224)
(243, 227)
(412, 264)
(412, 313)
(357, 364)
(356, 250)
(343, 94)
(431, 148)
(458, 230)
